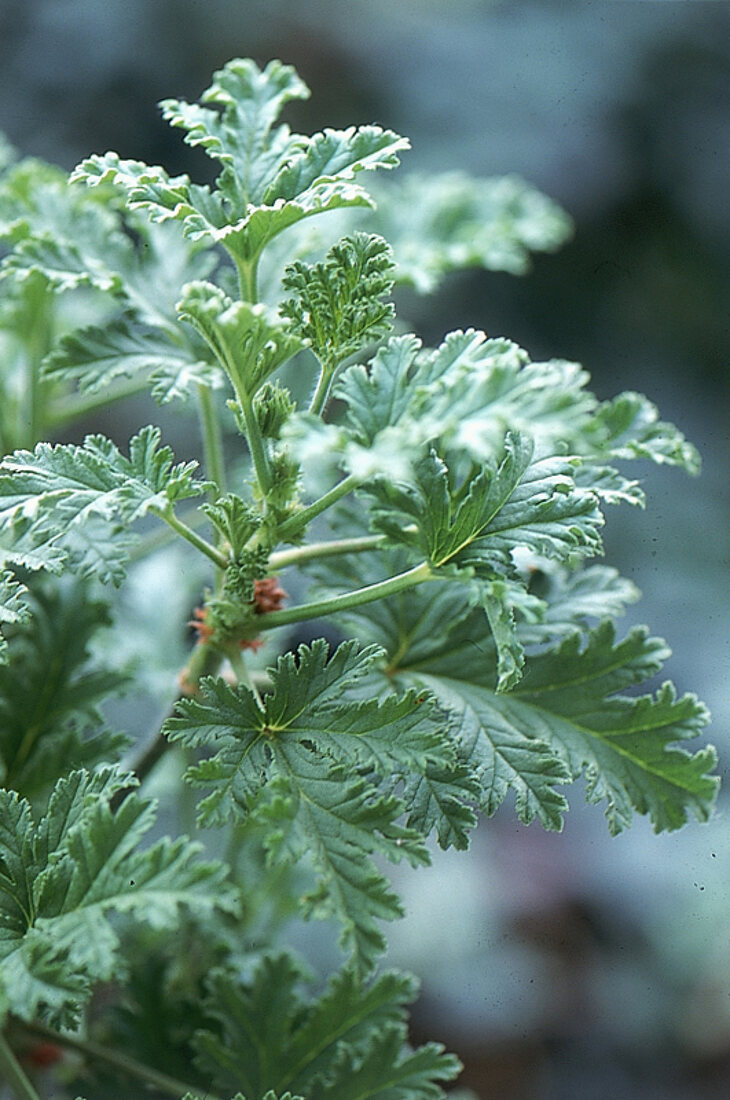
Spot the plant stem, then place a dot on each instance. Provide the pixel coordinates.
(247, 279)
(193, 538)
(417, 575)
(314, 550)
(319, 398)
(255, 441)
(237, 663)
(293, 526)
(12, 1073)
(215, 467)
(161, 1081)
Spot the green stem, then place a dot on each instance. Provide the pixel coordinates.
(193, 538)
(161, 1081)
(12, 1073)
(255, 441)
(247, 279)
(319, 399)
(297, 523)
(215, 467)
(417, 575)
(237, 663)
(299, 554)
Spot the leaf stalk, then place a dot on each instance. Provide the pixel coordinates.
(13, 1074)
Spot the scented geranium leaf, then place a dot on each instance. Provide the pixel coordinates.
(242, 135)
(268, 1036)
(337, 306)
(270, 179)
(477, 525)
(51, 690)
(333, 156)
(61, 877)
(57, 231)
(465, 394)
(450, 221)
(622, 744)
(98, 356)
(74, 499)
(381, 397)
(571, 598)
(444, 800)
(13, 606)
(629, 427)
(569, 710)
(249, 341)
(388, 1071)
(292, 761)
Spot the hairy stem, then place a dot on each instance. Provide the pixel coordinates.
(316, 550)
(12, 1073)
(193, 538)
(417, 575)
(243, 675)
(160, 1081)
(255, 441)
(319, 398)
(247, 278)
(297, 523)
(215, 467)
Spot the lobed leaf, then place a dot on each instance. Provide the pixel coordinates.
(293, 762)
(97, 356)
(449, 221)
(267, 1037)
(337, 307)
(61, 876)
(66, 502)
(51, 690)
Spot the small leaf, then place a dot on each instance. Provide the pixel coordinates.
(338, 307)
(248, 341)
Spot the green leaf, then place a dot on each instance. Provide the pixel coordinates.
(249, 341)
(477, 525)
(337, 306)
(629, 427)
(51, 690)
(13, 606)
(242, 136)
(449, 221)
(61, 877)
(270, 179)
(567, 718)
(97, 356)
(293, 762)
(68, 502)
(463, 397)
(267, 1037)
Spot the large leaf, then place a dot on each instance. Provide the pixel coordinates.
(270, 179)
(300, 762)
(51, 690)
(74, 502)
(466, 393)
(96, 357)
(268, 1038)
(570, 706)
(61, 877)
(450, 221)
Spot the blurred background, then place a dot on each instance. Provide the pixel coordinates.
(556, 966)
